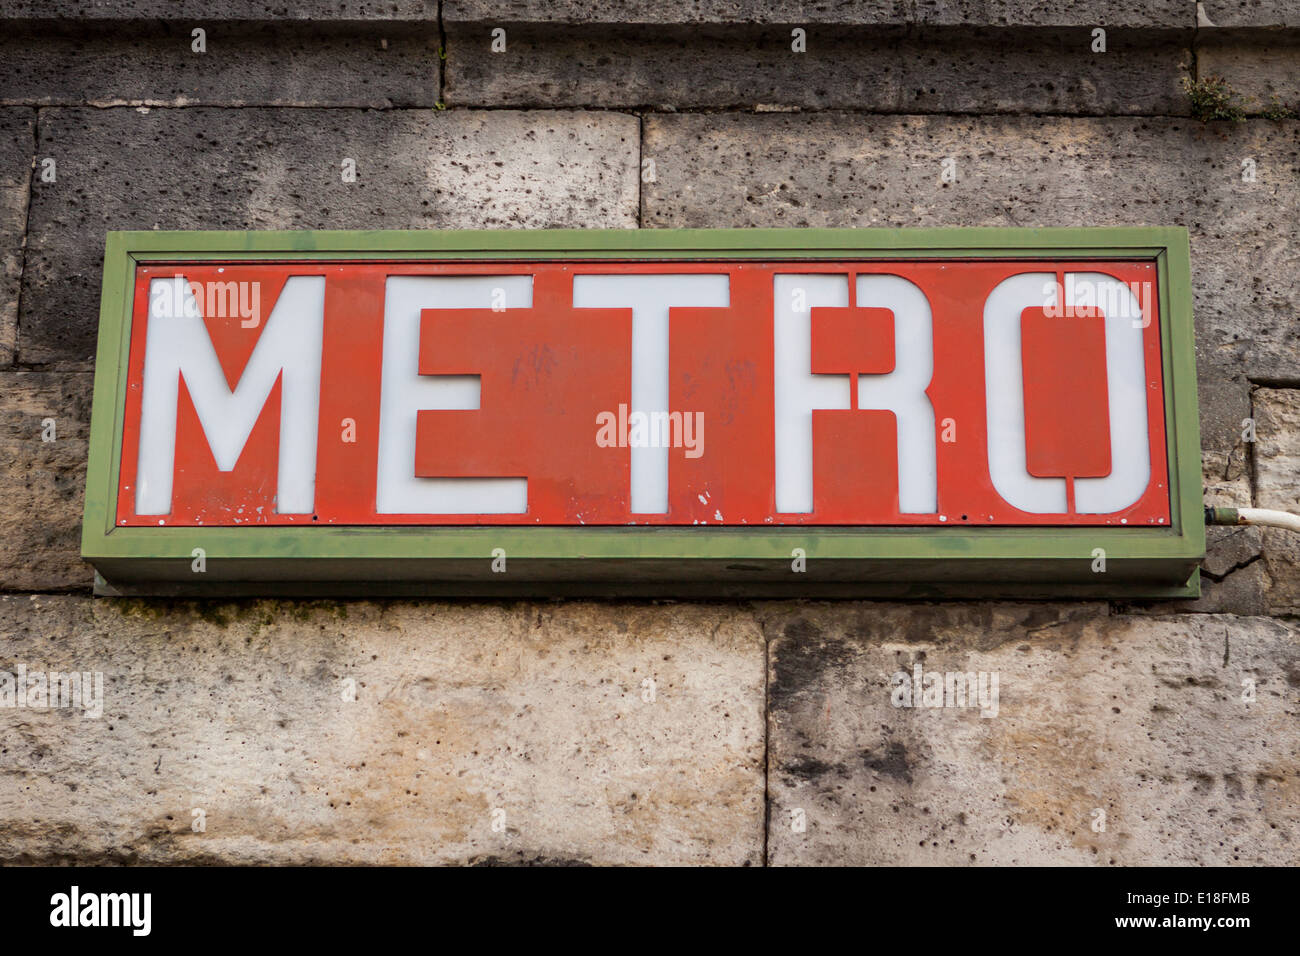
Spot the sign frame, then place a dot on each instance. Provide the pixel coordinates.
(455, 560)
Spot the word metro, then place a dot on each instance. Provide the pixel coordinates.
(938, 392)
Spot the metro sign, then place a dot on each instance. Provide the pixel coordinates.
(916, 413)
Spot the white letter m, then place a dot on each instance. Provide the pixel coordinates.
(179, 347)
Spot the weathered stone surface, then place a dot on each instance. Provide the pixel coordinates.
(238, 710)
(1277, 449)
(245, 65)
(1244, 591)
(1229, 548)
(1263, 72)
(207, 11)
(1147, 13)
(848, 170)
(1234, 579)
(1224, 399)
(1282, 562)
(887, 70)
(17, 140)
(42, 481)
(1252, 13)
(1139, 718)
(1277, 480)
(280, 169)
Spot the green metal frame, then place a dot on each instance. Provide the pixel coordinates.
(920, 562)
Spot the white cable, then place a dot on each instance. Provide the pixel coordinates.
(1268, 518)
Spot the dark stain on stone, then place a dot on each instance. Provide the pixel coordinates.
(892, 761)
(1039, 617)
(810, 768)
(803, 659)
(802, 629)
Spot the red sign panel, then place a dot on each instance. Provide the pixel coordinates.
(972, 392)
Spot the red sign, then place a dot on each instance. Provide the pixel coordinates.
(957, 392)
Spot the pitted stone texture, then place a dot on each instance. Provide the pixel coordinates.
(1141, 719)
(207, 11)
(538, 711)
(245, 65)
(1252, 13)
(1263, 72)
(42, 482)
(879, 69)
(17, 141)
(1146, 13)
(281, 169)
(1277, 477)
(830, 169)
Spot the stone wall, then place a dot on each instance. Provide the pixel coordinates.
(525, 731)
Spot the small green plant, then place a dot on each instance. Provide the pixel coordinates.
(1276, 110)
(1213, 99)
